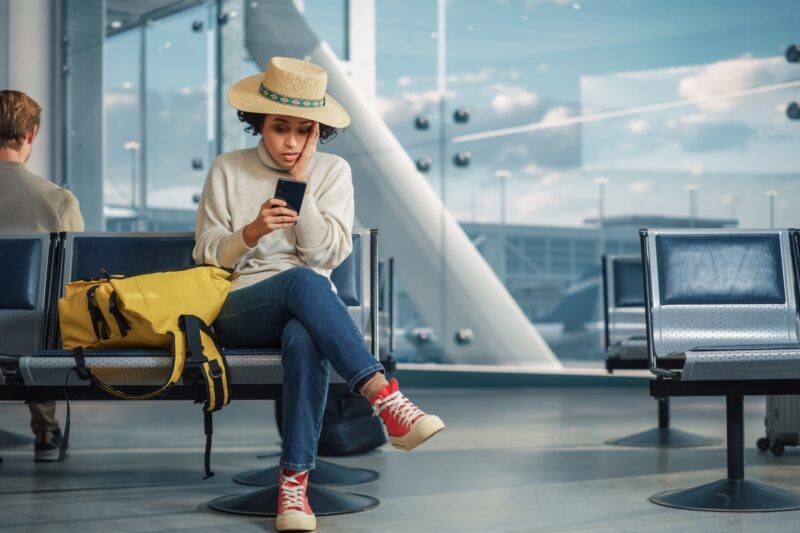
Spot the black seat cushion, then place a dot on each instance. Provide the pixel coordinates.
(725, 269)
(20, 261)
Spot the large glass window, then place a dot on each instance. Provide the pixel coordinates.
(551, 130)
(611, 113)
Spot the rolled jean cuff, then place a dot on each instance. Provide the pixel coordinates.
(297, 466)
(368, 371)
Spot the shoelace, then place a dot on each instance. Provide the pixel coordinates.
(293, 497)
(399, 406)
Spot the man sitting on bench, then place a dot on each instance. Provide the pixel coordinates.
(30, 203)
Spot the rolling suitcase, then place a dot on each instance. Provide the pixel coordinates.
(782, 422)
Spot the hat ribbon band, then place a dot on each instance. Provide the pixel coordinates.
(289, 100)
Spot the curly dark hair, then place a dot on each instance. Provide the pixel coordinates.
(255, 121)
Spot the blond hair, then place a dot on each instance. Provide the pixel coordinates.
(18, 114)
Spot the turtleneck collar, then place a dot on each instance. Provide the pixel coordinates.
(265, 158)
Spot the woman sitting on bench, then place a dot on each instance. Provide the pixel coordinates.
(282, 295)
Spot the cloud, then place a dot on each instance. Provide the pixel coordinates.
(408, 104)
(555, 115)
(531, 169)
(510, 99)
(404, 81)
(641, 186)
(534, 202)
(482, 75)
(550, 179)
(725, 76)
(638, 126)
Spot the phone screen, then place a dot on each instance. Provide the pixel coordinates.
(291, 192)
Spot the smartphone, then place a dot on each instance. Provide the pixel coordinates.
(291, 192)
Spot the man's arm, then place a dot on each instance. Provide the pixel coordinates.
(70, 218)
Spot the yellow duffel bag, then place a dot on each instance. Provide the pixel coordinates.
(164, 310)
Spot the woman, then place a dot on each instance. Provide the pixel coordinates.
(283, 295)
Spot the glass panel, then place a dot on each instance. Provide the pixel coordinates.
(611, 114)
(179, 112)
(328, 19)
(123, 123)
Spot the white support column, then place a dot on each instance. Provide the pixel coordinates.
(361, 45)
(3, 44)
(31, 66)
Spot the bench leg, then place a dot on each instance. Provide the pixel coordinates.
(264, 502)
(664, 436)
(326, 474)
(733, 493)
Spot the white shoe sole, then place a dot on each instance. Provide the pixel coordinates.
(425, 428)
(296, 522)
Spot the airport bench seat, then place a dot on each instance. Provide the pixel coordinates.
(81, 255)
(722, 319)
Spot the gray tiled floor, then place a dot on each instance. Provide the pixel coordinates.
(510, 460)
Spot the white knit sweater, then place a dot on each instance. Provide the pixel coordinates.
(238, 183)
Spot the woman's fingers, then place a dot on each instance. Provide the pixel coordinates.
(274, 202)
(280, 211)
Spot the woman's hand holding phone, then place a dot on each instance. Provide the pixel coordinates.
(298, 170)
(272, 216)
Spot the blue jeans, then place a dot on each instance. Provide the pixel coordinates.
(298, 311)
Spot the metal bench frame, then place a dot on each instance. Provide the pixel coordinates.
(626, 348)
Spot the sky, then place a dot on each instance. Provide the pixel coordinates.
(650, 95)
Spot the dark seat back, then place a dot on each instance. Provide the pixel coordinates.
(624, 298)
(128, 254)
(347, 276)
(24, 261)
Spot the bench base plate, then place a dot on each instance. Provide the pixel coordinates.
(664, 438)
(264, 502)
(325, 474)
(732, 495)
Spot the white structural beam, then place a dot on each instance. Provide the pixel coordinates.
(361, 46)
(448, 280)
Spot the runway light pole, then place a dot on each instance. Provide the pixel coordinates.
(771, 194)
(133, 147)
(693, 189)
(601, 198)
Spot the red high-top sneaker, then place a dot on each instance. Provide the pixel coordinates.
(408, 426)
(294, 513)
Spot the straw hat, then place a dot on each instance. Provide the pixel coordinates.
(289, 87)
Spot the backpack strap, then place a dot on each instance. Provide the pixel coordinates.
(85, 373)
(202, 352)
